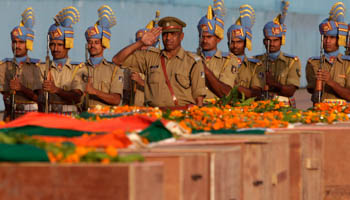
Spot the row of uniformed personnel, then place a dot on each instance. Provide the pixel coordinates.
(171, 77)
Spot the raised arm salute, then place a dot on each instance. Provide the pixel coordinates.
(174, 78)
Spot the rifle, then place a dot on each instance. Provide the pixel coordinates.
(347, 52)
(266, 87)
(13, 92)
(46, 72)
(319, 83)
(86, 105)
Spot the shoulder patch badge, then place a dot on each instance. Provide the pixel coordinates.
(261, 75)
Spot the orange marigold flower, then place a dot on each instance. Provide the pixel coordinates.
(111, 151)
(105, 161)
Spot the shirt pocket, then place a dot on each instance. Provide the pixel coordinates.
(282, 76)
(104, 86)
(154, 76)
(183, 80)
(341, 79)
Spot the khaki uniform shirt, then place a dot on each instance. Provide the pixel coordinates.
(140, 93)
(28, 74)
(64, 77)
(185, 72)
(222, 67)
(248, 76)
(340, 73)
(106, 77)
(139, 98)
(286, 69)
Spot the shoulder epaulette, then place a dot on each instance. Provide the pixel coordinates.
(259, 55)
(315, 58)
(110, 62)
(225, 54)
(345, 57)
(7, 60)
(194, 56)
(75, 63)
(253, 60)
(153, 49)
(290, 56)
(34, 60)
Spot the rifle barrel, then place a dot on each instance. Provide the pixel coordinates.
(266, 87)
(47, 63)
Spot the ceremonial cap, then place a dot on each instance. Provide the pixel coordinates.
(62, 28)
(242, 28)
(25, 30)
(213, 21)
(277, 28)
(334, 25)
(101, 30)
(171, 24)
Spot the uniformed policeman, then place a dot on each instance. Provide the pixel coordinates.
(220, 68)
(240, 37)
(283, 78)
(173, 76)
(334, 68)
(64, 87)
(105, 83)
(20, 76)
(136, 88)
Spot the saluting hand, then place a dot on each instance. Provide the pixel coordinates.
(89, 89)
(15, 84)
(323, 75)
(49, 85)
(150, 37)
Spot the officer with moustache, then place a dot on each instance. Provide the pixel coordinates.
(65, 88)
(20, 76)
(103, 79)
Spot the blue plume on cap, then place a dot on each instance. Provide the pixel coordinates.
(242, 28)
(247, 16)
(68, 16)
(334, 25)
(24, 31)
(28, 18)
(106, 16)
(101, 30)
(218, 8)
(284, 10)
(62, 29)
(213, 22)
(277, 28)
